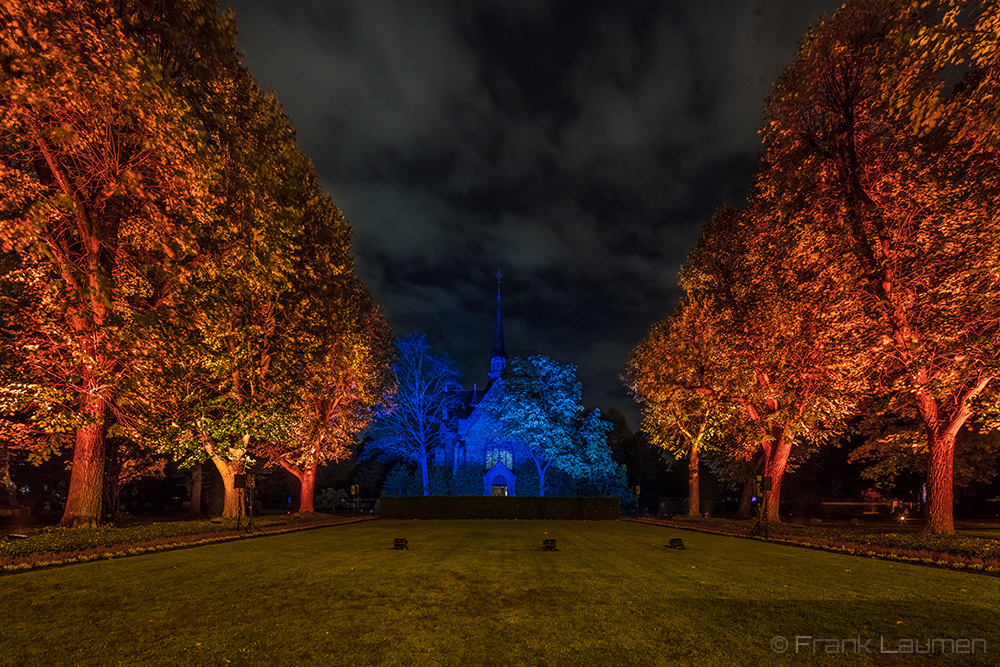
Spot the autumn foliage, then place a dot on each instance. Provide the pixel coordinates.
(868, 261)
(168, 255)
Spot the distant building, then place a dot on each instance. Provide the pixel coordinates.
(476, 441)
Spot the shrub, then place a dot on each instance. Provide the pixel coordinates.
(329, 499)
(402, 481)
(468, 481)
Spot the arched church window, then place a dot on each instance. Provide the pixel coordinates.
(496, 455)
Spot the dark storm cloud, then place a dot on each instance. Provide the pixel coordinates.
(578, 146)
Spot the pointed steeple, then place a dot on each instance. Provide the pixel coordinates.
(498, 358)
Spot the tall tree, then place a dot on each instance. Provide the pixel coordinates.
(427, 397)
(345, 382)
(104, 186)
(251, 303)
(881, 148)
(774, 354)
(670, 374)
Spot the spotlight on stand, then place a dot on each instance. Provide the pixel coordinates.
(399, 543)
(676, 543)
(549, 545)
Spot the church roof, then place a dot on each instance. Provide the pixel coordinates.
(470, 399)
(498, 349)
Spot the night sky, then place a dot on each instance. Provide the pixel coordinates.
(577, 146)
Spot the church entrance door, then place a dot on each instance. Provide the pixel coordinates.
(499, 486)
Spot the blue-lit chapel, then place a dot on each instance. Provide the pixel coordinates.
(525, 433)
(477, 441)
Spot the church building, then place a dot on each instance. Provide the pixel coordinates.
(477, 441)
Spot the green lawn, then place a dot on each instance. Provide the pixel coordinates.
(483, 593)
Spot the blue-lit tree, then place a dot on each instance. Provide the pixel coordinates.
(428, 393)
(540, 407)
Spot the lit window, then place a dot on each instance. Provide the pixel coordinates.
(495, 455)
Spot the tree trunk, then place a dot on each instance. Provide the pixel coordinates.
(694, 489)
(541, 479)
(308, 493)
(942, 428)
(746, 499)
(232, 506)
(939, 514)
(86, 486)
(423, 475)
(307, 484)
(195, 509)
(775, 470)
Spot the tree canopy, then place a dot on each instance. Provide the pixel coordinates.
(172, 271)
(105, 187)
(418, 419)
(866, 262)
(539, 407)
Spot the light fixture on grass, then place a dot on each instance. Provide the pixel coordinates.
(549, 545)
(399, 543)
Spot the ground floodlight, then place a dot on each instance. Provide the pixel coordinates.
(548, 545)
(399, 543)
(676, 543)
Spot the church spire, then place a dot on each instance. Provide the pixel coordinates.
(498, 358)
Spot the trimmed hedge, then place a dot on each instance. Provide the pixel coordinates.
(506, 507)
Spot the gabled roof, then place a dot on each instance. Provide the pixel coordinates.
(474, 414)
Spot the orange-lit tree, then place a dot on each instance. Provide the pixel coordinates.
(670, 373)
(773, 354)
(104, 187)
(881, 149)
(233, 382)
(345, 379)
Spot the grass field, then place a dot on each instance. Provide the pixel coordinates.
(483, 593)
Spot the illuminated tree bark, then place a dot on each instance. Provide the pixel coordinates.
(232, 506)
(307, 484)
(86, 487)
